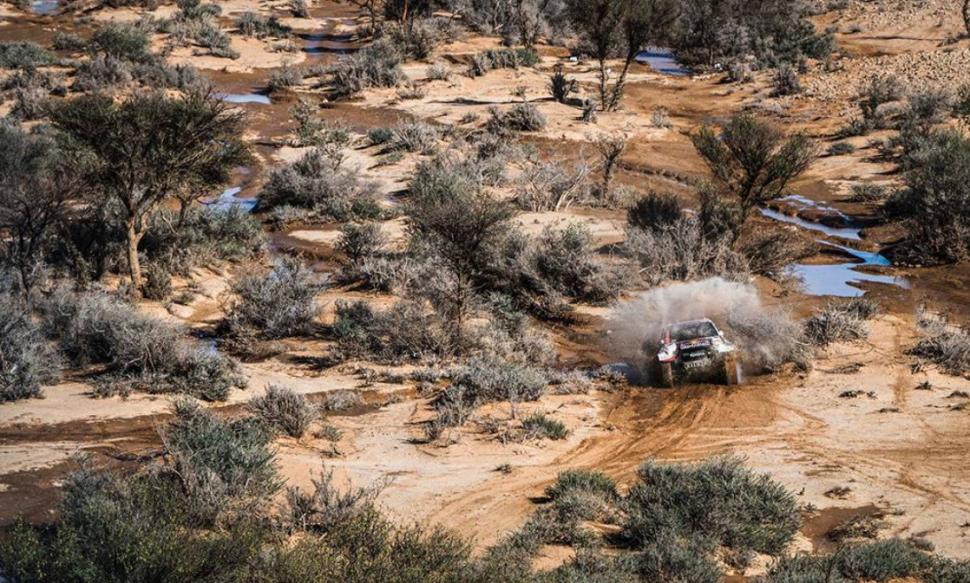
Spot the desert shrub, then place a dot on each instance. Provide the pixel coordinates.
(843, 321)
(158, 282)
(283, 409)
(30, 103)
(438, 72)
(379, 136)
(202, 236)
(840, 148)
(376, 65)
(660, 118)
(299, 8)
(26, 362)
(565, 260)
(943, 344)
(414, 136)
(786, 81)
(418, 39)
(719, 500)
(502, 59)
(361, 244)
(341, 400)
(774, 32)
(276, 304)
(521, 117)
(654, 212)
(284, 78)
(868, 192)
(328, 506)
(143, 518)
(540, 425)
(878, 92)
(487, 379)
(885, 560)
(100, 73)
(220, 463)
(253, 24)
(320, 183)
(561, 86)
(405, 331)
(24, 55)
(66, 41)
(124, 42)
(673, 558)
(924, 109)
(137, 351)
(935, 205)
(769, 251)
(587, 481)
(680, 252)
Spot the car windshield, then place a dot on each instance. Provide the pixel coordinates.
(691, 330)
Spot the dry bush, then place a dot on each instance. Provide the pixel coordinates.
(943, 344)
(376, 65)
(840, 321)
(26, 361)
(341, 400)
(321, 184)
(276, 304)
(406, 331)
(329, 506)
(680, 252)
(283, 409)
(137, 351)
(521, 117)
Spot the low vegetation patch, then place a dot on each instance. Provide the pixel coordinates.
(134, 351)
(26, 361)
(276, 304)
(284, 410)
(841, 321)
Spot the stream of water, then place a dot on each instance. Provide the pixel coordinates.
(839, 279)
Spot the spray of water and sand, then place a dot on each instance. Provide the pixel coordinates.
(765, 336)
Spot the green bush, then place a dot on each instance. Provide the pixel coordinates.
(583, 481)
(376, 65)
(502, 59)
(565, 260)
(120, 41)
(654, 212)
(219, 461)
(24, 55)
(719, 500)
(541, 425)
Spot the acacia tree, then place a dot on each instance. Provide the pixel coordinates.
(623, 28)
(460, 222)
(752, 163)
(34, 191)
(149, 148)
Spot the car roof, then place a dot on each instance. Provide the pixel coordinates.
(686, 322)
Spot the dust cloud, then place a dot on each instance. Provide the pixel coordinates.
(765, 337)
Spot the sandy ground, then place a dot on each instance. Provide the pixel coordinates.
(893, 449)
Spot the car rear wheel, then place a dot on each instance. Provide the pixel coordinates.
(666, 374)
(731, 373)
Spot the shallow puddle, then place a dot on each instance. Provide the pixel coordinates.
(850, 233)
(840, 279)
(44, 6)
(663, 61)
(228, 200)
(246, 98)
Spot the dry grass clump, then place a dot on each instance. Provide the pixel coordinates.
(943, 344)
(841, 321)
(284, 410)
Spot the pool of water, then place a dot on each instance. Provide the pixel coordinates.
(839, 279)
(851, 233)
(663, 61)
(228, 200)
(44, 6)
(842, 279)
(246, 98)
